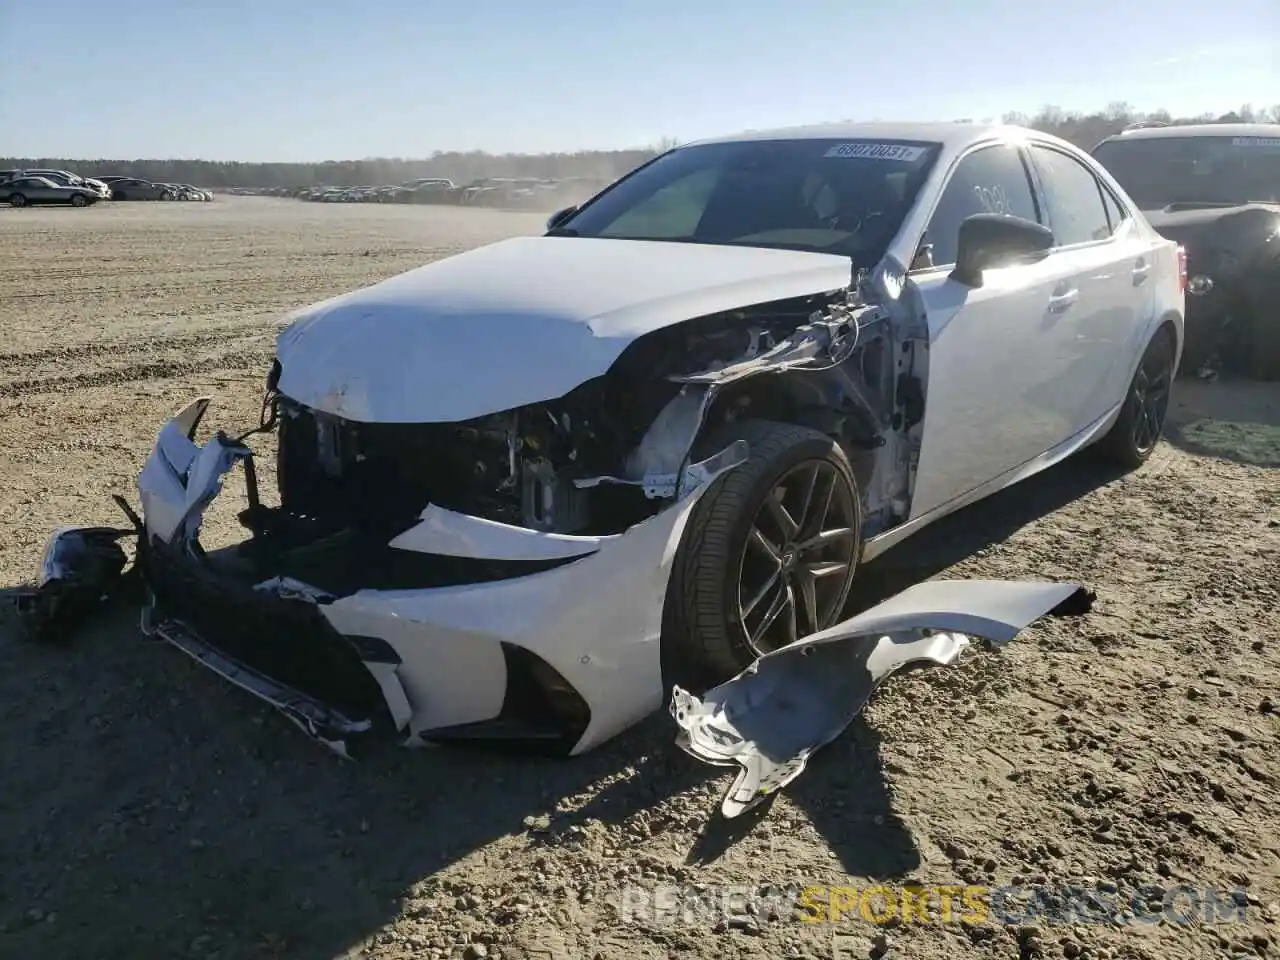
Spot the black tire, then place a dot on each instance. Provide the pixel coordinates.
(78, 200)
(705, 629)
(1138, 429)
(119, 195)
(17, 200)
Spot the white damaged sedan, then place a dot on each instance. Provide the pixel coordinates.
(523, 488)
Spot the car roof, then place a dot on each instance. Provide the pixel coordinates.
(1199, 130)
(952, 135)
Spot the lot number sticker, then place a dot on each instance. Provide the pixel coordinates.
(1255, 142)
(876, 151)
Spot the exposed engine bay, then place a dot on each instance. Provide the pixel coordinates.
(614, 450)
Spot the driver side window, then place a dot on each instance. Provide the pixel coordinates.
(990, 180)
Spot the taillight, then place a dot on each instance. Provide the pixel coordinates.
(1182, 268)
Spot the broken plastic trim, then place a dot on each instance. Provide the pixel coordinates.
(691, 478)
(790, 703)
(828, 339)
(323, 724)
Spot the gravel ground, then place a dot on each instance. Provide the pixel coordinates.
(150, 810)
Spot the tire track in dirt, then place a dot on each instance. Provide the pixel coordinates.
(158, 284)
(252, 352)
(93, 350)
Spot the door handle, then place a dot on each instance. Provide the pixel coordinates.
(1061, 301)
(1140, 271)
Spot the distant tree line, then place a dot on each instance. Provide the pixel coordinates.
(1083, 129)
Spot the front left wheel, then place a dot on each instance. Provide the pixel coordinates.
(768, 555)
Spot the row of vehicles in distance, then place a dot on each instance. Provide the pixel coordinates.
(509, 192)
(29, 187)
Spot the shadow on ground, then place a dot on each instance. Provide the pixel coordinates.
(1237, 420)
(159, 812)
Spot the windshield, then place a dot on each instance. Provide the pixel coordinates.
(828, 196)
(1159, 171)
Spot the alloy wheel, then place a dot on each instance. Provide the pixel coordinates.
(1149, 398)
(799, 556)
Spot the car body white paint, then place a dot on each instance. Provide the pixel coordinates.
(449, 534)
(520, 321)
(1013, 387)
(1017, 381)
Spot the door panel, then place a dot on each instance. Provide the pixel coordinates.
(1102, 263)
(998, 354)
(996, 376)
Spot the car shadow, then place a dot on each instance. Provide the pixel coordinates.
(1235, 420)
(977, 527)
(157, 811)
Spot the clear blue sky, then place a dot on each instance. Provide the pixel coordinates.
(330, 79)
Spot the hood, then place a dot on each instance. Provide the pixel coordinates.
(1216, 227)
(520, 321)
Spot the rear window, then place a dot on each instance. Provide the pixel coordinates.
(1159, 171)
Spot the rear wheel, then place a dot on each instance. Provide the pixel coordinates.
(17, 200)
(769, 553)
(1137, 431)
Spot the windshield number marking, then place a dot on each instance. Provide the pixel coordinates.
(876, 151)
(1255, 141)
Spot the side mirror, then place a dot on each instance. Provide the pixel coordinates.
(560, 216)
(990, 240)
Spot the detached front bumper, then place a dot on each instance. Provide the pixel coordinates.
(567, 656)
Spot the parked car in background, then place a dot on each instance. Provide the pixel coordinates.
(58, 176)
(437, 190)
(31, 191)
(132, 188)
(710, 392)
(66, 178)
(1215, 189)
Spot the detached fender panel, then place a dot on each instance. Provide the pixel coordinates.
(773, 716)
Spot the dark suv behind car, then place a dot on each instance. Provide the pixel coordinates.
(1215, 189)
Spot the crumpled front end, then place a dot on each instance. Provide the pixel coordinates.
(451, 627)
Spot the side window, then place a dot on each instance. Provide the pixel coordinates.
(1115, 212)
(673, 211)
(1073, 197)
(991, 180)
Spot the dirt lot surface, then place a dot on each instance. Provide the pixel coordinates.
(147, 809)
